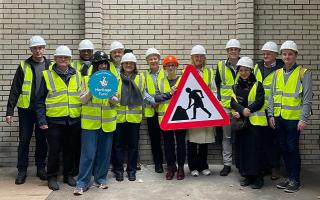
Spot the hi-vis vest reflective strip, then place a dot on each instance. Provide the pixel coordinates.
(113, 69)
(24, 98)
(62, 100)
(131, 115)
(164, 87)
(98, 113)
(77, 64)
(227, 81)
(151, 89)
(287, 97)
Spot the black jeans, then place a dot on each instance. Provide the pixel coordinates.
(197, 156)
(126, 133)
(155, 139)
(28, 123)
(62, 137)
(169, 138)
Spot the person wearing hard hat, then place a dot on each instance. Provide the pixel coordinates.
(199, 138)
(85, 52)
(129, 117)
(24, 88)
(153, 78)
(224, 78)
(264, 71)
(116, 52)
(247, 103)
(58, 112)
(98, 122)
(289, 110)
(174, 140)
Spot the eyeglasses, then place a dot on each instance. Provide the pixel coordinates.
(170, 65)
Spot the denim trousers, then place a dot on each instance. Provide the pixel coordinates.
(289, 144)
(96, 147)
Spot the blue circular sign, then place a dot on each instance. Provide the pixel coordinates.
(103, 84)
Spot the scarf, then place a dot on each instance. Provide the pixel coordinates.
(130, 93)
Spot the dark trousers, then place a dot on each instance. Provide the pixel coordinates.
(155, 139)
(270, 148)
(28, 123)
(289, 145)
(61, 137)
(126, 133)
(169, 138)
(197, 156)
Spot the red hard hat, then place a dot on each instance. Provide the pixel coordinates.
(170, 59)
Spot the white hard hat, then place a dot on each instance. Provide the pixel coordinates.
(245, 62)
(129, 57)
(270, 46)
(152, 51)
(233, 43)
(63, 51)
(198, 49)
(85, 44)
(116, 45)
(37, 41)
(289, 44)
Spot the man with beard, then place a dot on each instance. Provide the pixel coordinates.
(116, 53)
(85, 52)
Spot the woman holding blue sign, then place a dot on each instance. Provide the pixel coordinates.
(130, 90)
(98, 122)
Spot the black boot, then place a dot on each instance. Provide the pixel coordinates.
(52, 183)
(257, 183)
(21, 177)
(41, 173)
(70, 181)
(225, 171)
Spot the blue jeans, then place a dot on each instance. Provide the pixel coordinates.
(289, 145)
(96, 147)
(28, 123)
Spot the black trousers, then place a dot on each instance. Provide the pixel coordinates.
(62, 137)
(197, 156)
(270, 148)
(169, 138)
(155, 139)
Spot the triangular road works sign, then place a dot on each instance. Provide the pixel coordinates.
(193, 105)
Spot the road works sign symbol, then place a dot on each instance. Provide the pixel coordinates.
(193, 105)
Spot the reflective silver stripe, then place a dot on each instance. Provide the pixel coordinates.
(121, 112)
(267, 87)
(56, 105)
(111, 119)
(259, 114)
(289, 95)
(52, 85)
(140, 82)
(226, 86)
(291, 107)
(277, 93)
(134, 111)
(225, 97)
(223, 75)
(161, 113)
(162, 85)
(209, 76)
(75, 64)
(256, 71)
(91, 117)
(26, 82)
(94, 104)
(25, 93)
(75, 105)
(74, 93)
(106, 108)
(78, 81)
(277, 105)
(298, 86)
(55, 94)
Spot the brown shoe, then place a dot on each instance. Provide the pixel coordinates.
(275, 174)
(170, 173)
(180, 173)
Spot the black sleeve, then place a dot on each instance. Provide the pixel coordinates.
(218, 81)
(15, 91)
(40, 103)
(236, 106)
(259, 102)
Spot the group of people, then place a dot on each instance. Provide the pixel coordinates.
(273, 96)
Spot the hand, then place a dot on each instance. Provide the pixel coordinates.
(301, 125)
(272, 123)
(173, 90)
(155, 105)
(44, 127)
(9, 120)
(236, 115)
(246, 112)
(114, 100)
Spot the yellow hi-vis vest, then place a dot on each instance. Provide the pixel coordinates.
(130, 115)
(77, 64)
(227, 81)
(24, 97)
(98, 113)
(62, 100)
(151, 89)
(257, 118)
(113, 69)
(164, 87)
(287, 97)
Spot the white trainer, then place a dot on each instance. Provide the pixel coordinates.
(206, 172)
(195, 173)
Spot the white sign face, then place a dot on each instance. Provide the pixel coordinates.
(194, 104)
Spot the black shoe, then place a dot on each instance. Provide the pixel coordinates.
(70, 181)
(257, 183)
(293, 186)
(21, 177)
(119, 176)
(245, 181)
(42, 174)
(131, 176)
(52, 184)
(283, 184)
(158, 168)
(225, 171)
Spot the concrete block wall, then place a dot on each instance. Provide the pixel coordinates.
(172, 26)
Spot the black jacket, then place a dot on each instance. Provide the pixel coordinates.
(16, 87)
(265, 73)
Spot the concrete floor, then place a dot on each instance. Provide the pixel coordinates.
(150, 185)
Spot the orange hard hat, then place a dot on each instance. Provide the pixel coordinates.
(170, 59)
